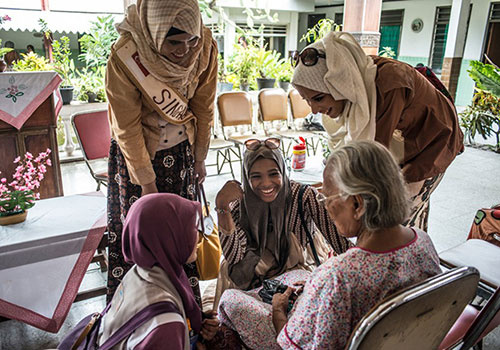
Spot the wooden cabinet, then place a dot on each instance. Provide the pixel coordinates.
(36, 135)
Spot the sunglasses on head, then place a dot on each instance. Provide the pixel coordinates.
(309, 57)
(271, 143)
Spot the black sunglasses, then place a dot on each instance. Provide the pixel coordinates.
(271, 143)
(309, 57)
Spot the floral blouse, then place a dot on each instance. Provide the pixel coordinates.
(344, 288)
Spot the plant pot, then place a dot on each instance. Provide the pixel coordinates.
(225, 87)
(265, 83)
(91, 97)
(66, 94)
(284, 85)
(244, 87)
(13, 219)
(3, 65)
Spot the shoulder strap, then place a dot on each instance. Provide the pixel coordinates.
(138, 320)
(304, 226)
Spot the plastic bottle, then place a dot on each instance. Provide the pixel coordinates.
(299, 155)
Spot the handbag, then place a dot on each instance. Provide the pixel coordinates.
(271, 287)
(209, 248)
(304, 226)
(486, 225)
(84, 335)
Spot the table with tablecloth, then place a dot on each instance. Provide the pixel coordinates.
(44, 259)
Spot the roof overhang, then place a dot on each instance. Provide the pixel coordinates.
(58, 21)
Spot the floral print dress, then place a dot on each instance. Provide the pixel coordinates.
(335, 298)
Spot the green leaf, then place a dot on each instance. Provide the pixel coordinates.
(486, 77)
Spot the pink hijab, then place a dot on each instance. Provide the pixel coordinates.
(160, 229)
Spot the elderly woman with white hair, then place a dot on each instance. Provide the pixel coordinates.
(374, 98)
(365, 194)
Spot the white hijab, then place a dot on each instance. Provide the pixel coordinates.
(348, 74)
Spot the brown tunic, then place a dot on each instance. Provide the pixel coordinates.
(428, 121)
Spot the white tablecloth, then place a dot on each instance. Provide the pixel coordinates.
(43, 260)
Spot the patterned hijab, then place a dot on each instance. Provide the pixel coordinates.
(149, 21)
(255, 217)
(161, 230)
(348, 74)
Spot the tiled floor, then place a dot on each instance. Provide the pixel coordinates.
(471, 182)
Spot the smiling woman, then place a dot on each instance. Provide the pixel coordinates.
(160, 81)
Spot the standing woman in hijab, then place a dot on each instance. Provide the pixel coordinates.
(374, 98)
(160, 83)
(160, 235)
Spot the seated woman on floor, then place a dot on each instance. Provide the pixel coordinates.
(159, 246)
(364, 193)
(261, 231)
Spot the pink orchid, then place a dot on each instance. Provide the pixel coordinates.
(3, 180)
(17, 160)
(49, 162)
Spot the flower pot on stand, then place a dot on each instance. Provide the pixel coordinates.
(66, 94)
(244, 87)
(284, 85)
(14, 218)
(91, 97)
(265, 83)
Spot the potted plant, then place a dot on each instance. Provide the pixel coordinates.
(242, 63)
(64, 65)
(17, 196)
(285, 75)
(90, 85)
(32, 62)
(3, 51)
(483, 115)
(223, 84)
(268, 66)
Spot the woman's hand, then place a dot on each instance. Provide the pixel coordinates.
(230, 192)
(149, 188)
(210, 325)
(200, 170)
(280, 306)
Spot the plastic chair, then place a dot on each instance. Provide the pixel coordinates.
(417, 317)
(473, 325)
(94, 135)
(224, 148)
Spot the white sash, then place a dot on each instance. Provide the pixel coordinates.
(171, 105)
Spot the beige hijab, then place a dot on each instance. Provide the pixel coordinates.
(349, 75)
(149, 21)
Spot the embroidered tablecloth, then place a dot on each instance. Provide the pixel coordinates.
(22, 92)
(44, 259)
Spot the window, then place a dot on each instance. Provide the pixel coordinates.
(273, 35)
(218, 35)
(390, 30)
(440, 35)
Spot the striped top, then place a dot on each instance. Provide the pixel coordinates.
(234, 245)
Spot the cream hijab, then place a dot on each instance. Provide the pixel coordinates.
(349, 75)
(149, 21)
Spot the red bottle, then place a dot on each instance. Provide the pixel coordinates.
(299, 156)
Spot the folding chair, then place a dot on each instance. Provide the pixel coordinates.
(224, 149)
(235, 110)
(417, 317)
(473, 325)
(94, 135)
(301, 109)
(273, 106)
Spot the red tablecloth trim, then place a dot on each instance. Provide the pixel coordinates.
(53, 324)
(19, 121)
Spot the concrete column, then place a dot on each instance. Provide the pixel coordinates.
(293, 31)
(362, 20)
(455, 44)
